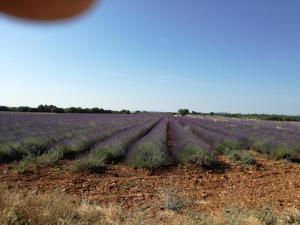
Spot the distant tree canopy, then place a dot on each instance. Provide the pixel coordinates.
(183, 112)
(49, 108)
(124, 111)
(4, 108)
(55, 109)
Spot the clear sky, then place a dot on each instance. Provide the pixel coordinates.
(205, 55)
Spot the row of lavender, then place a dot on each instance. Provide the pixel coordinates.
(117, 147)
(151, 151)
(198, 141)
(40, 147)
(146, 146)
(188, 148)
(272, 133)
(279, 140)
(151, 146)
(148, 141)
(19, 126)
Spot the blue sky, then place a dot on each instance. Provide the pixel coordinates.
(205, 55)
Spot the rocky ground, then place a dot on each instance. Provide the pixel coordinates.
(274, 184)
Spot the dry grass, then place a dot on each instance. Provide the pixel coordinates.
(23, 208)
(46, 209)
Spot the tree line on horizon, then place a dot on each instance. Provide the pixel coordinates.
(55, 109)
(272, 117)
(182, 112)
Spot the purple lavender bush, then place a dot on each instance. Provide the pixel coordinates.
(189, 149)
(151, 152)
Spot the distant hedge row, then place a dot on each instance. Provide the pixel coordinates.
(55, 109)
(272, 117)
(267, 117)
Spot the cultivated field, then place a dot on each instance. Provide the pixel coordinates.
(154, 167)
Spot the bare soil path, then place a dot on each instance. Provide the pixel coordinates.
(274, 183)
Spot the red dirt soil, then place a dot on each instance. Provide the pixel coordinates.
(274, 183)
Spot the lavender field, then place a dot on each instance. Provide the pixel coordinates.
(93, 141)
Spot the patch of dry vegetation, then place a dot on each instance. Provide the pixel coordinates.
(21, 208)
(47, 209)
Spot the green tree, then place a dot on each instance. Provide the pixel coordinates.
(183, 112)
(4, 108)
